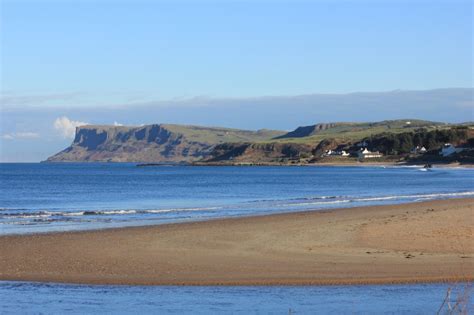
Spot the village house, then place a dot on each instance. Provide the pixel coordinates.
(366, 154)
(335, 153)
(418, 150)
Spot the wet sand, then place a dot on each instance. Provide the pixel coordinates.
(418, 242)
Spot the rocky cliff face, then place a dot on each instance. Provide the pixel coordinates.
(152, 143)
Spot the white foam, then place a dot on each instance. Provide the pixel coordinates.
(181, 209)
(381, 198)
(117, 212)
(315, 203)
(72, 214)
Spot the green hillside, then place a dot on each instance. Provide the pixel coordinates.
(220, 135)
(355, 131)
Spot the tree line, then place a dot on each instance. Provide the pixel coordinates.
(402, 143)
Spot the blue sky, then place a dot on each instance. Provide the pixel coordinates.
(241, 49)
(68, 57)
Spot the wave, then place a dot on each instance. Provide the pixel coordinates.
(8, 215)
(181, 210)
(398, 197)
(333, 200)
(48, 214)
(290, 199)
(315, 203)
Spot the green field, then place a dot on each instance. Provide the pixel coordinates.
(350, 132)
(221, 135)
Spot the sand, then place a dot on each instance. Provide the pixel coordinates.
(418, 242)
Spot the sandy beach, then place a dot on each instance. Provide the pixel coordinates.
(418, 242)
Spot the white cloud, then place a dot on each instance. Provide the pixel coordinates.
(8, 136)
(20, 135)
(67, 127)
(117, 124)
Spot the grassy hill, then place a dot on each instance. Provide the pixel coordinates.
(347, 131)
(394, 138)
(221, 135)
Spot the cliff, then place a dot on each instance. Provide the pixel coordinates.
(151, 143)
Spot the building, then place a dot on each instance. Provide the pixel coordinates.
(366, 154)
(449, 149)
(335, 153)
(418, 150)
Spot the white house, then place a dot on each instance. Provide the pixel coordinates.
(328, 153)
(449, 149)
(366, 154)
(335, 153)
(418, 150)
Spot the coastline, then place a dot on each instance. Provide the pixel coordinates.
(429, 241)
(338, 164)
(254, 164)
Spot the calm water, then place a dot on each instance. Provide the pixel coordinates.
(47, 197)
(23, 297)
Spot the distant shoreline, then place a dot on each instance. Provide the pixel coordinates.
(342, 164)
(406, 243)
(351, 164)
(359, 164)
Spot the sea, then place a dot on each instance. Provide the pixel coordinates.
(47, 197)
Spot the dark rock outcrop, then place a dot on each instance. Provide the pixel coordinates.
(258, 152)
(326, 144)
(307, 131)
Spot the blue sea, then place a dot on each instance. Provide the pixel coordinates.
(64, 197)
(48, 298)
(37, 198)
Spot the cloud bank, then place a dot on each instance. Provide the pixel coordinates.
(67, 127)
(21, 135)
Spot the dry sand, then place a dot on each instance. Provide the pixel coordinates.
(417, 242)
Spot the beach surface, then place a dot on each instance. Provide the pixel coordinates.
(407, 243)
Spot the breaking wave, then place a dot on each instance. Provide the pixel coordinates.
(47, 214)
(25, 216)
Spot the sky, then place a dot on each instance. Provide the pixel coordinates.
(285, 63)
